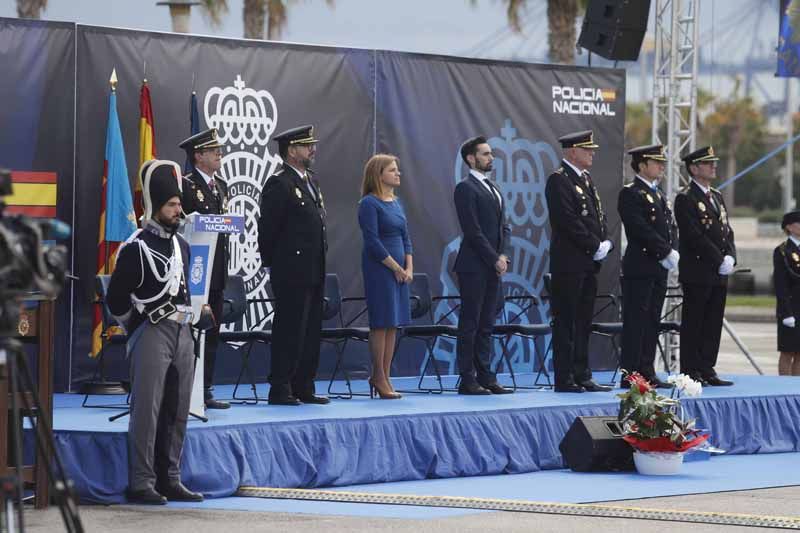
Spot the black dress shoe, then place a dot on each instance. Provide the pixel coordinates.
(284, 400)
(496, 388)
(179, 493)
(146, 497)
(698, 377)
(211, 403)
(658, 384)
(591, 386)
(716, 381)
(472, 389)
(313, 398)
(568, 387)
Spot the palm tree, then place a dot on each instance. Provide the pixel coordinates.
(30, 9)
(561, 17)
(272, 13)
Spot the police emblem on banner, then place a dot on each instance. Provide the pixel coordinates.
(245, 119)
(521, 169)
(197, 271)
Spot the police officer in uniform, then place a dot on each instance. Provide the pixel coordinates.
(206, 192)
(786, 273)
(651, 233)
(149, 296)
(292, 242)
(708, 255)
(579, 244)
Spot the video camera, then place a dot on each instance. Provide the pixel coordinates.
(27, 263)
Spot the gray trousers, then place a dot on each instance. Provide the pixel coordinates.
(162, 372)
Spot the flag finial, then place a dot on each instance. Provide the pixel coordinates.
(113, 80)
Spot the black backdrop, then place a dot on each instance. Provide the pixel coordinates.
(419, 107)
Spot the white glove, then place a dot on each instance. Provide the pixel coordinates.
(602, 250)
(671, 261)
(789, 321)
(726, 267)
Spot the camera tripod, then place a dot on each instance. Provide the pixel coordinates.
(24, 402)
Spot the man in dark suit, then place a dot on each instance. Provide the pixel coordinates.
(204, 191)
(578, 246)
(708, 255)
(479, 266)
(292, 242)
(648, 258)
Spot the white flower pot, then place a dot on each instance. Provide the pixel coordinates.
(658, 463)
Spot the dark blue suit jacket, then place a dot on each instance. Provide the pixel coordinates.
(482, 223)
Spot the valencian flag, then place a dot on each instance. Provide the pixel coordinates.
(194, 127)
(147, 147)
(117, 218)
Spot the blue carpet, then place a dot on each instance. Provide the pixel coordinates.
(721, 473)
(421, 436)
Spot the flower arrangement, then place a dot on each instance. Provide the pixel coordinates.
(655, 423)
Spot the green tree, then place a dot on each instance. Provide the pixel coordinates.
(737, 129)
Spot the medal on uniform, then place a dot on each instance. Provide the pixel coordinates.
(200, 197)
(578, 188)
(649, 198)
(701, 206)
(298, 193)
(795, 257)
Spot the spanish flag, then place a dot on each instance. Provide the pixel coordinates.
(147, 147)
(34, 194)
(117, 218)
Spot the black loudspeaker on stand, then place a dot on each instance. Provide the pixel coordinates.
(594, 444)
(614, 29)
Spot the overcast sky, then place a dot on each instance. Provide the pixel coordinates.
(737, 31)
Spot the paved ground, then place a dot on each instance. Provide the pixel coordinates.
(760, 340)
(129, 519)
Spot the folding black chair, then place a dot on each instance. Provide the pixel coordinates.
(233, 309)
(332, 303)
(610, 330)
(514, 327)
(108, 338)
(669, 326)
(422, 306)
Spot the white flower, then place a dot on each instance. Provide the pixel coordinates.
(685, 385)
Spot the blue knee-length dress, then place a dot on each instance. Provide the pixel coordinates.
(385, 232)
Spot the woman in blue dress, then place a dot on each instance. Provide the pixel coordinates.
(386, 264)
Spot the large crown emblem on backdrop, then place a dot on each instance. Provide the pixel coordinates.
(521, 168)
(245, 119)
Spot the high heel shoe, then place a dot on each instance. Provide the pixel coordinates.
(383, 395)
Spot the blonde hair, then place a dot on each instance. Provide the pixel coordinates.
(371, 182)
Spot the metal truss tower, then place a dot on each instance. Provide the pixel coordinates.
(675, 84)
(675, 118)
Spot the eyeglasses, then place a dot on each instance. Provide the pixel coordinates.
(214, 151)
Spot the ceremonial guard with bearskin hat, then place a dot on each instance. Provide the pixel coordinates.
(579, 244)
(786, 274)
(292, 242)
(708, 255)
(649, 256)
(148, 295)
(204, 191)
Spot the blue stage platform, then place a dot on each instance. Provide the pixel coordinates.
(421, 436)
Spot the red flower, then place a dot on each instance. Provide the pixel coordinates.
(634, 378)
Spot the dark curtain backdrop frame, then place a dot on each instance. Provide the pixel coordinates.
(419, 107)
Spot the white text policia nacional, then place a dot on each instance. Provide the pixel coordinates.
(583, 101)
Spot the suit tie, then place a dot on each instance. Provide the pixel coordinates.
(311, 190)
(495, 192)
(712, 201)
